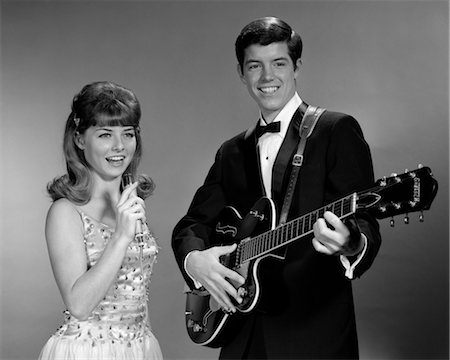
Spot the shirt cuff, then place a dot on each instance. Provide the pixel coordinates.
(196, 283)
(350, 267)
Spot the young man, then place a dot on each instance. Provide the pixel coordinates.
(306, 306)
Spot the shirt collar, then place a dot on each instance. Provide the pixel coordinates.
(285, 115)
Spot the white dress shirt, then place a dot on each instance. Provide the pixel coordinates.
(269, 143)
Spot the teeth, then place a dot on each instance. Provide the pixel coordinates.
(269, 90)
(116, 158)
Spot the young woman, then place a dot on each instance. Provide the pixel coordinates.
(100, 247)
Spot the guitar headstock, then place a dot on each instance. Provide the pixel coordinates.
(405, 193)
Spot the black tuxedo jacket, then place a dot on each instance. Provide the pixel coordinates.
(306, 308)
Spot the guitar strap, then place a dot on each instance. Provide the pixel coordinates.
(307, 125)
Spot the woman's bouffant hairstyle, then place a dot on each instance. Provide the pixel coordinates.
(265, 31)
(101, 103)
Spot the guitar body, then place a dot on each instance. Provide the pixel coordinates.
(206, 323)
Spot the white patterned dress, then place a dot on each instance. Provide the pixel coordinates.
(118, 328)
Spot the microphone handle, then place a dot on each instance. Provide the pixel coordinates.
(128, 179)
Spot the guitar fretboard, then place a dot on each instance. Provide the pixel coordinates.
(268, 241)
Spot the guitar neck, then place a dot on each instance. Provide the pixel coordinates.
(252, 248)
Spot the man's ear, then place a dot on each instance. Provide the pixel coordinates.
(298, 64)
(79, 140)
(241, 75)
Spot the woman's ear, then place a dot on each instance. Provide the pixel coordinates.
(79, 140)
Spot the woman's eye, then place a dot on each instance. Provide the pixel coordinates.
(104, 135)
(129, 135)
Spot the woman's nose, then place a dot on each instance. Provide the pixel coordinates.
(118, 144)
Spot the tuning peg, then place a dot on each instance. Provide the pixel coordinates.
(421, 217)
(420, 166)
(406, 219)
(392, 222)
(395, 177)
(406, 170)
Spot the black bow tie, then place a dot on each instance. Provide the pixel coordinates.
(273, 127)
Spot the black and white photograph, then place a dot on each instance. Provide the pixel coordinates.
(212, 179)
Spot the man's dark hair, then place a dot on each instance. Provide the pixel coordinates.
(265, 31)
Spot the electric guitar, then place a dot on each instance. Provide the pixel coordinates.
(258, 236)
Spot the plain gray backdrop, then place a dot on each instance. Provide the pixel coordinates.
(384, 62)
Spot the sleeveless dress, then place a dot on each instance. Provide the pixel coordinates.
(118, 328)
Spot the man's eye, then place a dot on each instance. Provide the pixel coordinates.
(104, 135)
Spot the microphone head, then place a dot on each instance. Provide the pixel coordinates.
(127, 179)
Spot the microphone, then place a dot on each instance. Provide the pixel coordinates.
(127, 180)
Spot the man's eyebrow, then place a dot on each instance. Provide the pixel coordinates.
(251, 60)
(283, 58)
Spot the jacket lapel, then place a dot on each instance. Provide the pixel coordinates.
(251, 163)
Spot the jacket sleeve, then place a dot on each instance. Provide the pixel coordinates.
(351, 169)
(193, 231)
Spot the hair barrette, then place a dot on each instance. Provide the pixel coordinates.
(76, 120)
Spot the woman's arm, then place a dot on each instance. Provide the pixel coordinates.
(82, 289)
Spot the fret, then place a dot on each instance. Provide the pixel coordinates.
(313, 218)
(253, 249)
(335, 208)
(258, 245)
(284, 236)
(266, 242)
(273, 238)
(320, 212)
(306, 224)
(339, 210)
(245, 251)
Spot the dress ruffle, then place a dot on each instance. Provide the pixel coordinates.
(66, 348)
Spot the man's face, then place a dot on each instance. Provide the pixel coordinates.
(268, 72)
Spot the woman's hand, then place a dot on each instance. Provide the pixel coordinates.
(129, 210)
